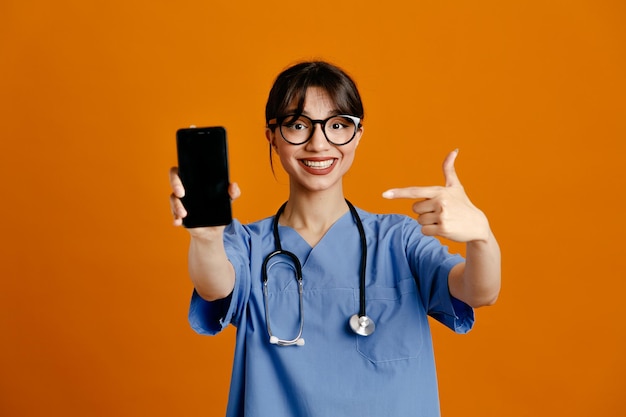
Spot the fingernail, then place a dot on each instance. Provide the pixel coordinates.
(388, 194)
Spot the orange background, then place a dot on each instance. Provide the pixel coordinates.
(94, 293)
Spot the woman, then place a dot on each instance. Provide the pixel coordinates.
(368, 349)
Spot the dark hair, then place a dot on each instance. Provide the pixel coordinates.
(292, 84)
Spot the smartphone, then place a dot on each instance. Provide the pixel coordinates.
(203, 170)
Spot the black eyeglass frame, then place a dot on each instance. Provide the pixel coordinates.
(278, 122)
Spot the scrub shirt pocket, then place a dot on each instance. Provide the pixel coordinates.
(400, 321)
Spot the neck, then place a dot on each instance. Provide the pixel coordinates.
(312, 214)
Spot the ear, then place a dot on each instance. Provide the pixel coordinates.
(357, 139)
(271, 138)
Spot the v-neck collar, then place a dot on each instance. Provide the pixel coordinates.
(301, 248)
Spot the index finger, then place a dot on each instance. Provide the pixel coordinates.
(176, 183)
(412, 192)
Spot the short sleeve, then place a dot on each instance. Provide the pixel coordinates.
(446, 309)
(211, 317)
(431, 263)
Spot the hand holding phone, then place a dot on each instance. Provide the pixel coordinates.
(203, 171)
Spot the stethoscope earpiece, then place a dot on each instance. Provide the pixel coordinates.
(276, 341)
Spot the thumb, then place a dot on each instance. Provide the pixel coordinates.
(449, 173)
(234, 191)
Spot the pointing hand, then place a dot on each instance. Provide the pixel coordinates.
(445, 211)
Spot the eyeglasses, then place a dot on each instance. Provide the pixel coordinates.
(297, 129)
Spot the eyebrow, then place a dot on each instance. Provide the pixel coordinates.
(333, 112)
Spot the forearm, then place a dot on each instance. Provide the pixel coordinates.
(211, 272)
(477, 281)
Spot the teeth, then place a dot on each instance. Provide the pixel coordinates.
(318, 164)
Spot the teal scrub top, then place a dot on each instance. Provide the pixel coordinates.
(336, 372)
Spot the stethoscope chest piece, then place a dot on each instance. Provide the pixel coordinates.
(362, 325)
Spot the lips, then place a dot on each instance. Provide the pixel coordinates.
(318, 166)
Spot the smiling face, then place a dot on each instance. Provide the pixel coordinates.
(316, 165)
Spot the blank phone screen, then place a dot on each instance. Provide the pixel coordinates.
(203, 170)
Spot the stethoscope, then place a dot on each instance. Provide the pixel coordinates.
(359, 323)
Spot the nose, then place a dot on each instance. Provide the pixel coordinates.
(318, 141)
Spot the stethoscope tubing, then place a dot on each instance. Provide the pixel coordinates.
(360, 324)
(362, 267)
